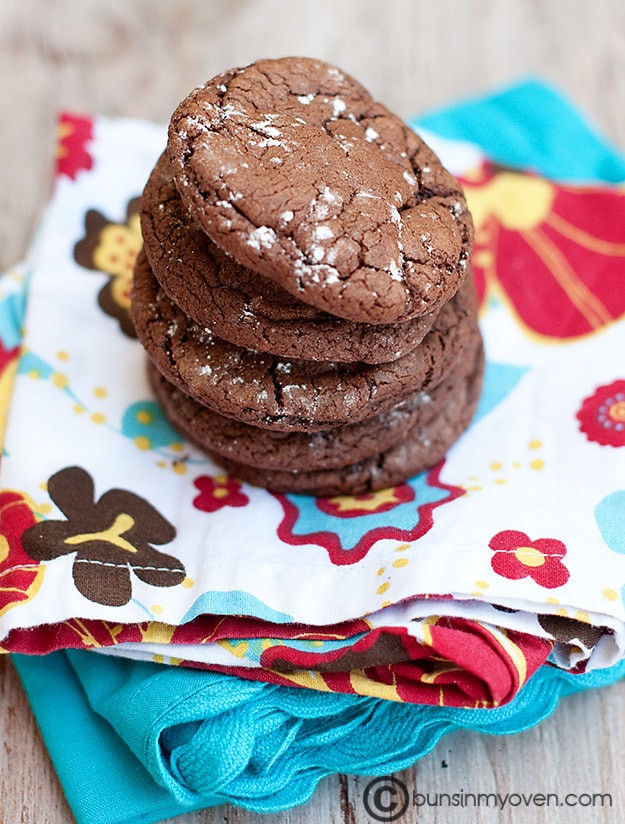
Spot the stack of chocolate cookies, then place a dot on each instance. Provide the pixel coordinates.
(304, 293)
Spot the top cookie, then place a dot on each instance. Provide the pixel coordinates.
(244, 307)
(293, 169)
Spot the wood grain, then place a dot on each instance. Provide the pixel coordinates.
(139, 58)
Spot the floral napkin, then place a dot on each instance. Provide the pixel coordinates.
(451, 588)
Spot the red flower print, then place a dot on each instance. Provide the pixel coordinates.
(20, 577)
(354, 524)
(217, 492)
(602, 415)
(541, 245)
(516, 556)
(71, 154)
(352, 506)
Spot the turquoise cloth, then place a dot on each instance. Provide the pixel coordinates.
(138, 742)
(208, 738)
(531, 126)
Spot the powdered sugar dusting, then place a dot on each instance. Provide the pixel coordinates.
(394, 271)
(270, 141)
(331, 255)
(195, 124)
(266, 128)
(346, 145)
(320, 273)
(227, 169)
(305, 99)
(333, 72)
(320, 210)
(284, 366)
(263, 237)
(320, 207)
(331, 275)
(368, 195)
(229, 111)
(338, 106)
(290, 388)
(322, 232)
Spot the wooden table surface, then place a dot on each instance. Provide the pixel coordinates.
(140, 57)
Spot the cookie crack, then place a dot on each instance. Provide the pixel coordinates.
(277, 389)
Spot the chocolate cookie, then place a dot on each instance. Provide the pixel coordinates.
(245, 308)
(423, 447)
(293, 169)
(273, 393)
(304, 451)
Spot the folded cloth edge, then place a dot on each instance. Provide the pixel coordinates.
(409, 733)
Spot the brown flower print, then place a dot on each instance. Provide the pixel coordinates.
(112, 248)
(111, 538)
(565, 630)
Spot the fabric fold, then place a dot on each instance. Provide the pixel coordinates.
(135, 741)
(205, 738)
(453, 587)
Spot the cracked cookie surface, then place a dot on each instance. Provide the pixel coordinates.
(295, 171)
(276, 393)
(423, 447)
(244, 307)
(303, 451)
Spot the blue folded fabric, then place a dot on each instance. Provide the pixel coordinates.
(531, 126)
(139, 742)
